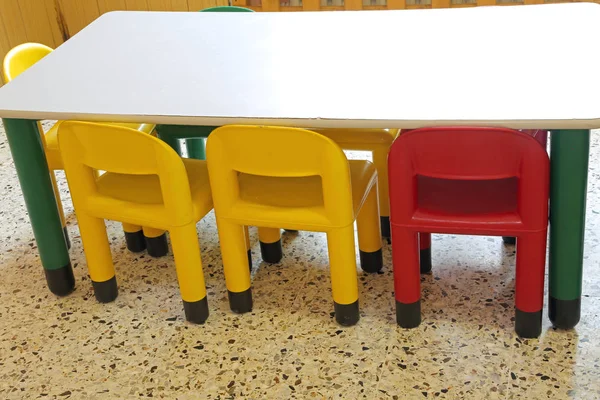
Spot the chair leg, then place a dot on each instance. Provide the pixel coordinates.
(188, 263)
(407, 280)
(344, 285)
(235, 265)
(248, 247)
(61, 211)
(425, 252)
(380, 155)
(196, 148)
(134, 237)
(98, 256)
(270, 244)
(156, 242)
(369, 234)
(509, 240)
(529, 291)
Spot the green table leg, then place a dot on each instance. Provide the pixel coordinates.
(32, 169)
(195, 148)
(568, 187)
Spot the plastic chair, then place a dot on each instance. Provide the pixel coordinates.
(16, 62)
(274, 176)
(467, 180)
(375, 141)
(146, 184)
(194, 135)
(541, 136)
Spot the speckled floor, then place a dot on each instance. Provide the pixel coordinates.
(289, 346)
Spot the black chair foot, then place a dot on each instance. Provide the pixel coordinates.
(240, 302)
(271, 253)
(106, 291)
(510, 240)
(528, 325)
(371, 262)
(346, 314)
(196, 312)
(385, 228)
(136, 242)
(425, 260)
(157, 246)
(408, 315)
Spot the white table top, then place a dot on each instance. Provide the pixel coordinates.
(522, 66)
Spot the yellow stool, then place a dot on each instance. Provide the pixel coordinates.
(375, 141)
(272, 177)
(16, 62)
(146, 184)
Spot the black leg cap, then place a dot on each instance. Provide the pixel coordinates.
(425, 260)
(61, 281)
(157, 246)
(408, 315)
(371, 261)
(135, 241)
(196, 312)
(240, 302)
(250, 259)
(385, 228)
(528, 325)
(67, 239)
(106, 291)
(346, 314)
(509, 240)
(564, 314)
(271, 253)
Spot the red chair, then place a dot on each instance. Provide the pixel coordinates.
(425, 238)
(469, 180)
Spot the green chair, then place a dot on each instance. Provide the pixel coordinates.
(194, 135)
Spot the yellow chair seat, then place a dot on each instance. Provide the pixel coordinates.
(301, 199)
(145, 189)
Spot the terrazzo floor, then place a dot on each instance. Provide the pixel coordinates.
(290, 346)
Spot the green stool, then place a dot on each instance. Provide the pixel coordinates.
(194, 135)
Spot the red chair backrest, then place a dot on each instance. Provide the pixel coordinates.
(469, 153)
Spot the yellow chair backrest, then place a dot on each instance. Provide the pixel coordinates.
(21, 58)
(278, 152)
(87, 147)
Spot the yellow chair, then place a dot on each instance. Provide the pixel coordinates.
(272, 177)
(146, 184)
(16, 62)
(375, 141)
